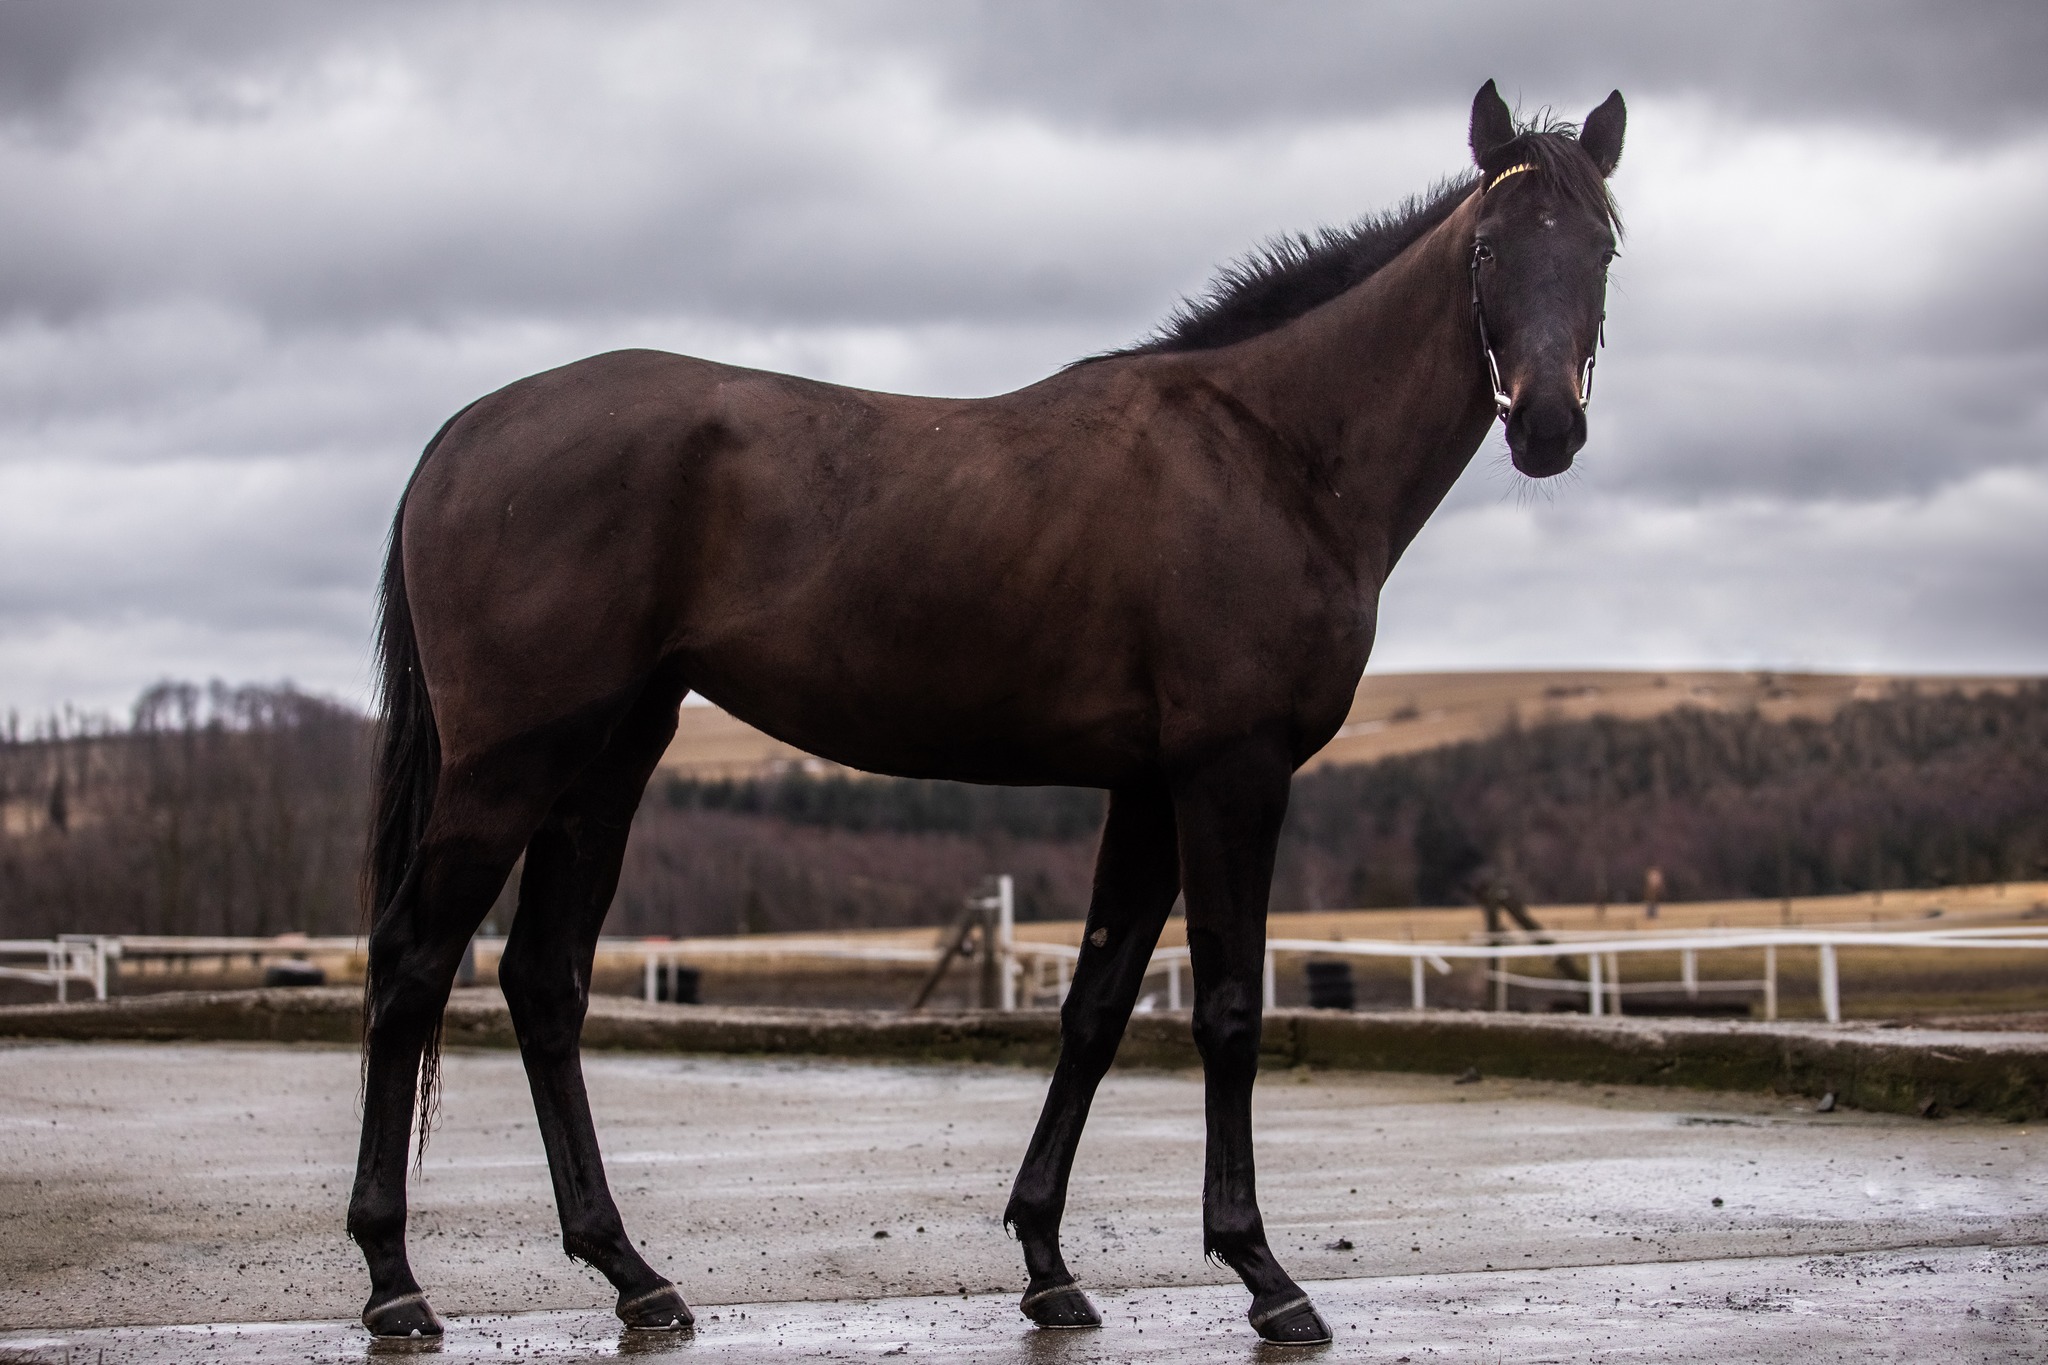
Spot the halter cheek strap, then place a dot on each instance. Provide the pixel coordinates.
(1501, 402)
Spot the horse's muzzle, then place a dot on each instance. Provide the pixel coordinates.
(1544, 432)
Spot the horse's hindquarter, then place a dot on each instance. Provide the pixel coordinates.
(1035, 587)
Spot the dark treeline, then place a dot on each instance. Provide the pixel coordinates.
(1912, 790)
(240, 810)
(217, 810)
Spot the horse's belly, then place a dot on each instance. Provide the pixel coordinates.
(934, 713)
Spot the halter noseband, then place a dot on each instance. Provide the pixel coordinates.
(1501, 402)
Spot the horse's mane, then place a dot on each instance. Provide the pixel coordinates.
(1287, 276)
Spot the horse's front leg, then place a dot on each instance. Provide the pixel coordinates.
(1136, 879)
(1229, 811)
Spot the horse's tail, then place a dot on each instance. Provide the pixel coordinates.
(408, 770)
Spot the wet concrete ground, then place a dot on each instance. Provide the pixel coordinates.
(204, 1185)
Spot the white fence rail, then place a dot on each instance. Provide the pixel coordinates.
(1035, 974)
(82, 958)
(1603, 985)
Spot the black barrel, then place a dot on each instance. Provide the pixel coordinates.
(294, 972)
(1330, 986)
(676, 984)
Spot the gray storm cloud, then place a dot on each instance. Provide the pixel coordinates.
(258, 252)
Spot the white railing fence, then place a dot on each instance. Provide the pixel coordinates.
(1030, 974)
(70, 957)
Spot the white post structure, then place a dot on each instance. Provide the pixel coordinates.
(1689, 972)
(1270, 993)
(1595, 992)
(1830, 985)
(1173, 984)
(1614, 981)
(1006, 939)
(647, 983)
(1770, 981)
(1500, 982)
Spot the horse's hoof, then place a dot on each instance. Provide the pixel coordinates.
(660, 1309)
(1291, 1322)
(1060, 1305)
(403, 1317)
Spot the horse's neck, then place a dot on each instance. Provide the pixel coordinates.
(1380, 391)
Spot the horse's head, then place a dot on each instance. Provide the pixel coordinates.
(1546, 231)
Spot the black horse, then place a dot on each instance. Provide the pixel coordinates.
(1156, 572)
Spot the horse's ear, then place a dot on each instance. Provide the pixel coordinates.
(1493, 127)
(1601, 134)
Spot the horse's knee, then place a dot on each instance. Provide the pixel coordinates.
(1227, 1020)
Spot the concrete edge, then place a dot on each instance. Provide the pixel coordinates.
(1900, 1071)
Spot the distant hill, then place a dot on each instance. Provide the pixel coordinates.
(1405, 713)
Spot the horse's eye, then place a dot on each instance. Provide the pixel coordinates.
(1482, 252)
(1607, 257)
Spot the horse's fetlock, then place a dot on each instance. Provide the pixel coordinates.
(377, 1222)
(594, 1242)
(1230, 1235)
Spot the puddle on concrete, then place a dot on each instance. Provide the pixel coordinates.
(1910, 1305)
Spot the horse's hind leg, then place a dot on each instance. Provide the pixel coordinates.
(482, 814)
(1136, 879)
(1229, 812)
(572, 869)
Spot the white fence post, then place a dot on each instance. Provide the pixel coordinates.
(1594, 990)
(1614, 980)
(1270, 994)
(1417, 1000)
(1830, 985)
(1689, 972)
(1771, 981)
(1173, 984)
(647, 975)
(1006, 940)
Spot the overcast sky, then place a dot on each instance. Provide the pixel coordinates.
(257, 252)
